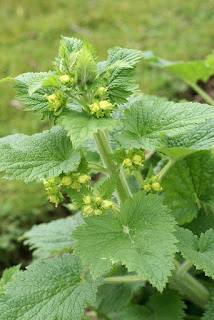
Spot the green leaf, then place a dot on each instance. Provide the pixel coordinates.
(208, 315)
(188, 185)
(81, 127)
(45, 154)
(7, 276)
(199, 250)
(141, 237)
(198, 138)
(67, 53)
(85, 69)
(190, 71)
(76, 196)
(203, 222)
(83, 166)
(38, 80)
(108, 186)
(148, 122)
(122, 54)
(49, 289)
(55, 236)
(166, 306)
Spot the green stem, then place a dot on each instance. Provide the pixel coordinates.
(97, 167)
(105, 151)
(139, 178)
(165, 169)
(188, 286)
(184, 268)
(123, 279)
(202, 93)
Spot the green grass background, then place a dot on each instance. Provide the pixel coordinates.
(29, 37)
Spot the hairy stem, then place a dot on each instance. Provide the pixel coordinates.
(166, 168)
(123, 279)
(189, 287)
(202, 93)
(105, 151)
(184, 268)
(139, 178)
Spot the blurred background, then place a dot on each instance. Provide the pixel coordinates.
(29, 38)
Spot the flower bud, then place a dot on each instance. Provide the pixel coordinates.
(86, 199)
(98, 212)
(66, 181)
(156, 186)
(127, 163)
(87, 210)
(102, 90)
(147, 187)
(83, 178)
(137, 159)
(106, 105)
(106, 204)
(65, 79)
(94, 107)
(98, 200)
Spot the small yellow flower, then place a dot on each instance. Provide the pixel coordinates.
(65, 79)
(87, 210)
(86, 199)
(66, 181)
(106, 204)
(137, 159)
(83, 178)
(127, 163)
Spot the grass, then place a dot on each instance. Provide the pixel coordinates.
(30, 33)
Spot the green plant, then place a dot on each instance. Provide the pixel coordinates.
(140, 253)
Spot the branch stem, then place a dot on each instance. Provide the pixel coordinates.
(105, 151)
(202, 93)
(165, 169)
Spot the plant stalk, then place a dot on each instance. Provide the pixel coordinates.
(165, 169)
(105, 151)
(202, 93)
(184, 268)
(123, 279)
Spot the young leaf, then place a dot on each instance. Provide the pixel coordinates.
(193, 186)
(8, 276)
(81, 127)
(198, 250)
(148, 122)
(108, 186)
(141, 238)
(122, 54)
(166, 306)
(47, 238)
(49, 289)
(45, 154)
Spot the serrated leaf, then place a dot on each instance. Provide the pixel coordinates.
(208, 315)
(122, 54)
(83, 166)
(198, 138)
(193, 186)
(200, 250)
(7, 276)
(203, 222)
(55, 236)
(76, 196)
(108, 186)
(36, 80)
(81, 127)
(190, 71)
(85, 68)
(148, 122)
(45, 154)
(141, 238)
(49, 289)
(166, 306)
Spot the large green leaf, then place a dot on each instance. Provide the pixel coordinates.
(141, 237)
(190, 71)
(55, 236)
(199, 250)
(45, 154)
(148, 122)
(188, 185)
(49, 289)
(81, 127)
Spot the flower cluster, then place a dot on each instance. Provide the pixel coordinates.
(152, 184)
(54, 184)
(95, 205)
(57, 102)
(101, 108)
(134, 159)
